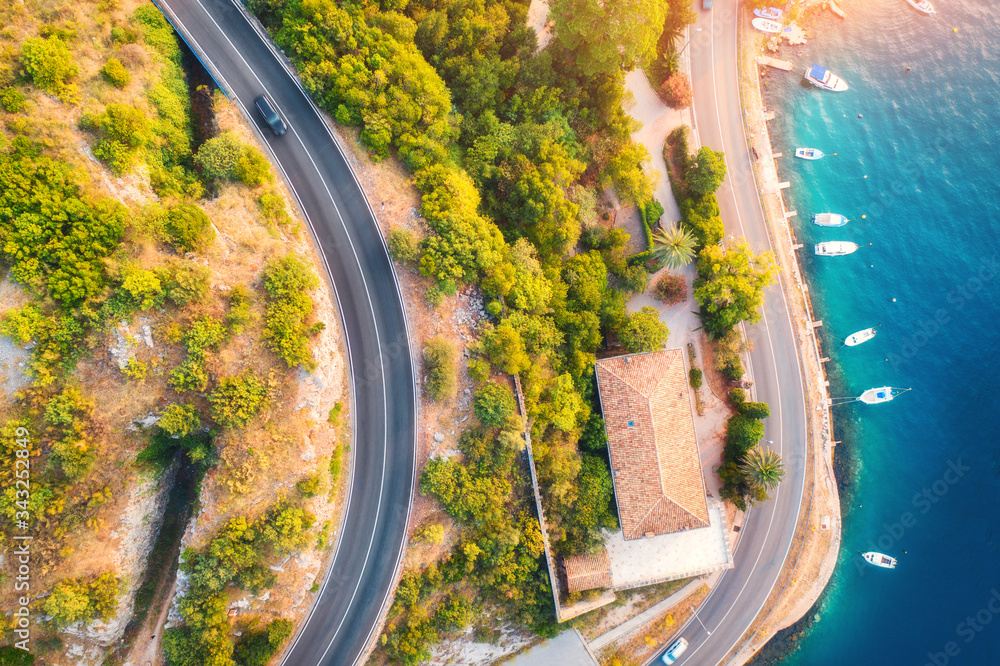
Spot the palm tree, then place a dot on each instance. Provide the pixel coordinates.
(762, 469)
(674, 247)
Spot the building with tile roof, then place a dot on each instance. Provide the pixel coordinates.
(655, 466)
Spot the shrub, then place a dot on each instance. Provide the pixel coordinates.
(700, 216)
(707, 172)
(117, 156)
(218, 156)
(256, 648)
(239, 309)
(183, 282)
(694, 377)
(737, 396)
(179, 419)
(237, 399)
(252, 167)
(12, 100)
(430, 534)
(288, 281)
(73, 600)
(334, 417)
(403, 245)
(124, 124)
(272, 208)
(114, 72)
(636, 279)
(495, 405)
(755, 410)
(189, 228)
(671, 289)
(742, 434)
(439, 366)
(308, 486)
(732, 369)
(141, 288)
(676, 91)
(643, 331)
(49, 63)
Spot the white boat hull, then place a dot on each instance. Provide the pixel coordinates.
(766, 25)
(860, 337)
(770, 13)
(923, 7)
(829, 220)
(876, 396)
(880, 560)
(809, 154)
(825, 79)
(835, 248)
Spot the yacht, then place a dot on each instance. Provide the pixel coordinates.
(809, 153)
(829, 220)
(879, 560)
(919, 5)
(771, 13)
(823, 78)
(765, 25)
(855, 339)
(835, 248)
(876, 396)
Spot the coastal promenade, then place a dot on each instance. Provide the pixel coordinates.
(719, 629)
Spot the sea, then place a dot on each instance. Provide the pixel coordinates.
(913, 159)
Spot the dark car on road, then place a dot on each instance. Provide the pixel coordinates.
(267, 110)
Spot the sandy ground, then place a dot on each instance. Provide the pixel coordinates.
(538, 20)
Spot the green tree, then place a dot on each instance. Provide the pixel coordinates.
(218, 156)
(439, 368)
(643, 331)
(730, 286)
(701, 217)
(257, 647)
(288, 281)
(114, 72)
(606, 37)
(49, 63)
(755, 410)
(403, 245)
(189, 228)
(125, 124)
(742, 434)
(237, 399)
(178, 419)
(495, 405)
(12, 100)
(142, 287)
(763, 469)
(706, 172)
(674, 247)
(252, 167)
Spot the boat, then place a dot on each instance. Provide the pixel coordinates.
(835, 248)
(920, 5)
(855, 339)
(829, 220)
(765, 25)
(809, 153)
(823, 78)
(876, 396)
(771, 13)
(879, 560)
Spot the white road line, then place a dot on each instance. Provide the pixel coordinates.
(374, 322)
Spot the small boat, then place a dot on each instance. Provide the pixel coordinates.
(835, 248)
(879, 560)
(876, 396)
(823, 78)
(829, 220)
(809, 153)
(920, 5)
(855, 339)
(764, 25)
(772, 13)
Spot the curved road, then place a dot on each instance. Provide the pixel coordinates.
(372, 532)
(731, 607)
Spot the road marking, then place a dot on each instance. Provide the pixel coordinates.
(374, 322)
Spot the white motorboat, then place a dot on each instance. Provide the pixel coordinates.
(855, 339)
(876, 396)
(829, 220)
(771, 13)
(809, 153)
(765, 25)
(823, 78)
(920, 5)
(835, 248)
(879, 560)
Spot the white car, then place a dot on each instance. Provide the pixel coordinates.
(675, 650)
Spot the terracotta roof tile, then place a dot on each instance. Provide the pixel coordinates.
(587, 572)
(651, 441)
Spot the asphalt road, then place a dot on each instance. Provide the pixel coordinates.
(370, 539)
(725, 615)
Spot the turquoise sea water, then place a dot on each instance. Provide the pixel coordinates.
(919, 477)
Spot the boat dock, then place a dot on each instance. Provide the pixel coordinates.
(768, 61)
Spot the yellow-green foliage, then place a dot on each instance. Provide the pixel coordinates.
(288, 281)
(67, 415)
(237, 399)
(183, 282)
(12, 100)
(74, 600)
(225, 157)
(439, 366)
(142, 287)
(189, 228)
(49, 63)
(179, 419)
(136, 369)
(239, 309)
(202, 335)
(272, 208)
(115, 73)
(252, 168)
